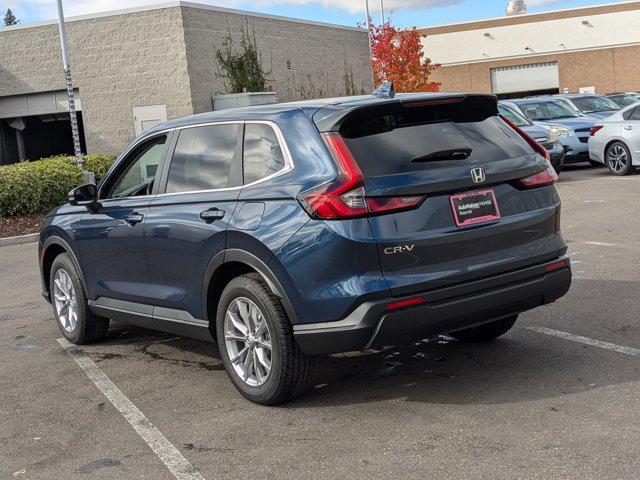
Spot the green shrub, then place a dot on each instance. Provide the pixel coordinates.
(34, 187)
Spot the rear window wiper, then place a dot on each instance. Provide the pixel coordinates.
(453, 154)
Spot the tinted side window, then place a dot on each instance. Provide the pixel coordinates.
(629, 114)
(139, 171)
(636, 114)
(262, 152)
(202, 158)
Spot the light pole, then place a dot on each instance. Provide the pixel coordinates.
(67, 73)
(382, 11)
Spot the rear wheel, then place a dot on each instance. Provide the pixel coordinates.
(619, 159)
(486, 332)
(256, 343)
(76, 321)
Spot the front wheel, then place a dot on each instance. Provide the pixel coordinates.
(486, 332)
(619, 159)
(256, 343)
(76, 321)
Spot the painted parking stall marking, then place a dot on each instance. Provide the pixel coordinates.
(163, 448)
(635, 352)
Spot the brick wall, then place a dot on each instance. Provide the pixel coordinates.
(319, 55)
(609, 70)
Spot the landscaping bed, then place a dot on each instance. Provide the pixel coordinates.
(20, 225)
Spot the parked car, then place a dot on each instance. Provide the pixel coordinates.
(293, 230)
(549, 111)
(595, 106)
(623, 99)
(616, 141)
(546, 135)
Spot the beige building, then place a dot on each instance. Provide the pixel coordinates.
(583, 49)
(137, 67)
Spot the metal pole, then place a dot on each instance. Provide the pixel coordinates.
(382, 11)
(366, 3)
(67, 73)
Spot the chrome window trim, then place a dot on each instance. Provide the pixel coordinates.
(288, 160)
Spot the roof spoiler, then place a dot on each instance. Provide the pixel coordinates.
(472, 108)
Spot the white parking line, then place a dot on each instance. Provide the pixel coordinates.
(163, 448)
(588, 341)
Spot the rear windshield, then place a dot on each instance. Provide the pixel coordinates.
(624, 100)
(547, 110)
(411, 139)
(594, 104)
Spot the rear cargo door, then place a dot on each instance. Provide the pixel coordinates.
(464, 159)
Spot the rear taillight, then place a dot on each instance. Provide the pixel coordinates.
(595, 130)
(541, 179)
(529, 139)
(345, 197)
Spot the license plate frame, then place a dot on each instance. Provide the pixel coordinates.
(476, 211)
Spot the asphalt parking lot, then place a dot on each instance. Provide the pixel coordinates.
(556, 398)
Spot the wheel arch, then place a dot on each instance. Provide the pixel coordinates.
(231, 263)
(610, 143)
(52, 248)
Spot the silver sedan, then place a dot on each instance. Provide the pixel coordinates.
(615, 141)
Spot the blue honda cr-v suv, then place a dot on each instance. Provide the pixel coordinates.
(293, 230)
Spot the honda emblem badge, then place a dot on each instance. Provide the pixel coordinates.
(478, 174)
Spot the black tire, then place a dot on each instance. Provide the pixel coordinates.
(486, 332)
(290, 367)
(90, 327)
(616, 169)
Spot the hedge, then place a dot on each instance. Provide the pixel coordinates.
(35, 187)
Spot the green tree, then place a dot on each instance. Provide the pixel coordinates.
(241, 69)
(10, 18)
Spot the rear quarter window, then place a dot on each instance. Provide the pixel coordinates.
(263, 154)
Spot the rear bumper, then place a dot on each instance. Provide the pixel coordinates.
(448, 309)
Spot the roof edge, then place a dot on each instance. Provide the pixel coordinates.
(178, 3)
(532, 16)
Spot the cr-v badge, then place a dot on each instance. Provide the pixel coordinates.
(399, 249)
(478, 174)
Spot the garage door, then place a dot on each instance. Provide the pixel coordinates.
(525, 78)
(31, 104)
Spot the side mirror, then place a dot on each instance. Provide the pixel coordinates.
(85, 195)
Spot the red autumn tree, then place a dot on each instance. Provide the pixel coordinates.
(397, 57)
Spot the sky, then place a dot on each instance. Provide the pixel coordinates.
(406, 13)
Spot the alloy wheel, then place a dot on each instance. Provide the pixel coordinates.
(618, 158)
(65, 300)
(248, 341)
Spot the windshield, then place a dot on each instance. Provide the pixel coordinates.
(594, 104)
(547, 110)
(513, 116)
(624, 100)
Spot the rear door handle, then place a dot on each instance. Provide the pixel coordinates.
(211, 215)
(134, 218)
(628, 127)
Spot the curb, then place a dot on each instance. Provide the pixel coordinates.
(5, 242)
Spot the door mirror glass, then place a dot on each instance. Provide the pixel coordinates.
(83, 195)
